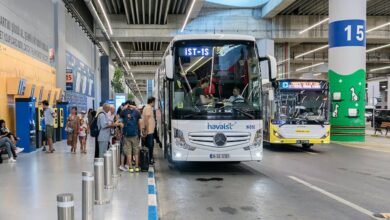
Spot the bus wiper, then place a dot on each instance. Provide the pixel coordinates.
(192, 114)
(244, 113)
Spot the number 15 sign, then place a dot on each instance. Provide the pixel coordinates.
(346, 33)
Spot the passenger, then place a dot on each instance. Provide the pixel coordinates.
(83, 115)
(236, 97)
(83, 131)
(49, 115)
(5, 131)
(209, 91)
(7, 143)
(72, 128)
(149, 124)
(200, 97)
(89, 116)
(104, 130)
(131, 126)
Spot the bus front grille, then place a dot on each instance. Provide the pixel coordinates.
(207, 138)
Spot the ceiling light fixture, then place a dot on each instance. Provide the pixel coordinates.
(378, 27)
(314, 25)
(283, 61)
(381, 68)
(105, 17)
(377, 48)
(120, 49)
(307, 67)
(188, 15)
(311, 51)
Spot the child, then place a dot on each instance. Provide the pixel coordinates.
(83, 135)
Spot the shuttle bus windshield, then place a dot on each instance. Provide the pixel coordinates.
(300, 102)
(216, 80)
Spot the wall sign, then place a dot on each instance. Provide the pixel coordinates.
(69, 79)
(83, 77)
(14, 35)
(347, 33)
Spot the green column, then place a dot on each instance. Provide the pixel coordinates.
(347, 72)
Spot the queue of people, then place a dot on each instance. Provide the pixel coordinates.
(134, 129)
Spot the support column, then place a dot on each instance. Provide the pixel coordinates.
(347, 69)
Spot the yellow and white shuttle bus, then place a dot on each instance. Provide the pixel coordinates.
(208, 90)
(296, 111)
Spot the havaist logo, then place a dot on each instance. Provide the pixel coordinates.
(220, 126)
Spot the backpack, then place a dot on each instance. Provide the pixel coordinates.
(94, 126)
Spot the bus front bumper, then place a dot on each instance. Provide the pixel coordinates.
(201, 155)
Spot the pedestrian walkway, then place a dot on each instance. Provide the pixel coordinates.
(378, 142)
(29, 187)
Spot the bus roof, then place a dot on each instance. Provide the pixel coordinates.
(213, 37)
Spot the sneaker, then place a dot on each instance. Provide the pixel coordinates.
(131, 170)
(11, 160)
(137, 169)
(19, 149)
(127, 167)
(123, 168)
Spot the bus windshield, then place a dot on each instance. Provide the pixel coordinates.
(216, 80)
(302, 107)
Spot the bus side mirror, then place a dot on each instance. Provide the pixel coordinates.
(272, 67)
(169, 66)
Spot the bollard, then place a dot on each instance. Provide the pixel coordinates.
(65, 206)
(118, 151)
(115, 172)
(99, 181)
(87, 195)
(108, 170)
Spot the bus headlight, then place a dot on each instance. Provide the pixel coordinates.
(258, 140)
(276, 134)
(180, 141)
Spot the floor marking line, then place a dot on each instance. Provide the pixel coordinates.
(152, 195)
(333, 196)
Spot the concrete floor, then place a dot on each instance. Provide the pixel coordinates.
(29, 187)
(271, 189)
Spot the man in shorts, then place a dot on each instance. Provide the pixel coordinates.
(49, 115)
(131, 125)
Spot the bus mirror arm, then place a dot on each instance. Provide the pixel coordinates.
(272, 67)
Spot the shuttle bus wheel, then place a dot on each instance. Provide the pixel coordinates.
(306, 146)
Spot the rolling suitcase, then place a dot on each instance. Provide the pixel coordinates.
(144, 159)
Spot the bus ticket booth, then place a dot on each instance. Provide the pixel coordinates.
(55, 125)
(63, 115)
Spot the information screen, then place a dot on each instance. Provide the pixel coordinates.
(195, 51)
(300, 85)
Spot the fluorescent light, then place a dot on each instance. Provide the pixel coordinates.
(188, 15)
(378, 27)
(120, 48)
(307, 67)
(317, 74)
(194, 64)
(105, 17)
(377, 48)
(311, 51)
(381, 68)
(128, 66)
(314, 25)
(283, 61)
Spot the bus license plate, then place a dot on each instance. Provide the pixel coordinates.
(303, 142)
(219, 156)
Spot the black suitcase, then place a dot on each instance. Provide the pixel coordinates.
(144, 159)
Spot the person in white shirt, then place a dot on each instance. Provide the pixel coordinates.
(83, 128)
(236, 97)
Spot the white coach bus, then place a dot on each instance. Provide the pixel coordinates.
(208, 91)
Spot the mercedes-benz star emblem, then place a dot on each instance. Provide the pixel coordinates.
(220, 139)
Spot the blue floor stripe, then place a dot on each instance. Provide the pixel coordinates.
(150, 174)
(152, 213)
(151, 189)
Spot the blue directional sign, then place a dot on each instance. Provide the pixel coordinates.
(346, 33)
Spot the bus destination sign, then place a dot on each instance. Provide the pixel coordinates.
(299, 85)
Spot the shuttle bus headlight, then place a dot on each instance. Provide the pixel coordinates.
(277, 134)
(180, 141)
(258, 140)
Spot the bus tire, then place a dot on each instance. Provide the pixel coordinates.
(306, 146)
